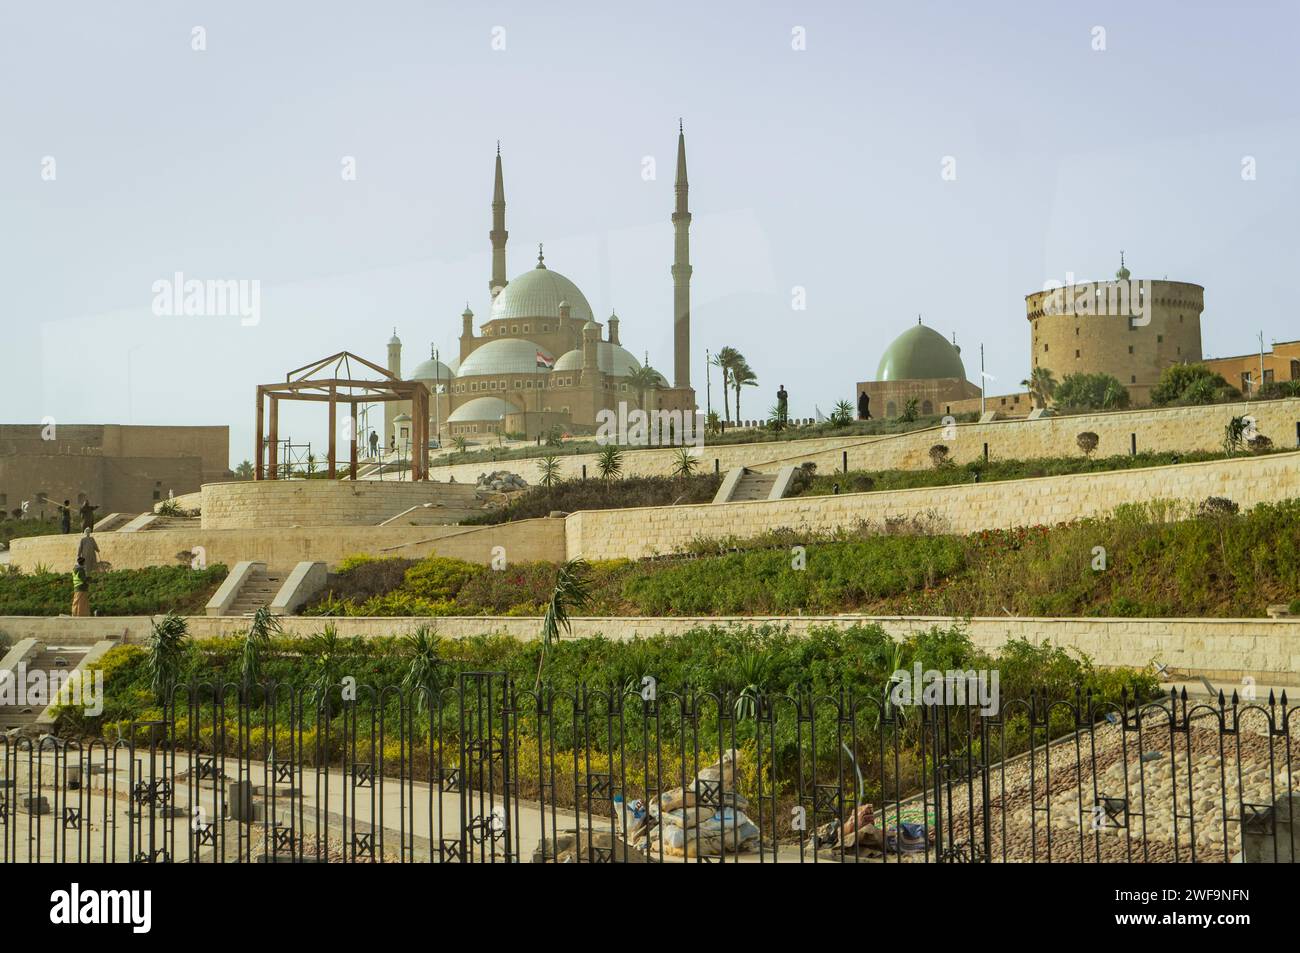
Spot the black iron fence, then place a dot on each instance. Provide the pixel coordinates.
(485, 771)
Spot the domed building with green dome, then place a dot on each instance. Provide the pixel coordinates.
(920, 363)
(540, 359)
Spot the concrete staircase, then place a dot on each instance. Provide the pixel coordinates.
(260, 588)
(745, 485)
(251, 585)
(43, 659)
(753, 486)
(172, 522)
(113, 522)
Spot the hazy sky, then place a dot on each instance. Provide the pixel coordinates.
(816, 168)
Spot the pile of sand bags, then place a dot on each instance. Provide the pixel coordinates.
(707, 817)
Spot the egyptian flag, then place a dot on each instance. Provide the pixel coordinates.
(544, 361)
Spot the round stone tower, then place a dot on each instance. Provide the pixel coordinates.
(1129, 328)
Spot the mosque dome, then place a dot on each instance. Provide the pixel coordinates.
(481, 408)
(920, 353)
(433, 372)
(610, 358)
(504, 356)
(539, 294)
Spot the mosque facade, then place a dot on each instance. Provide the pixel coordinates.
(540, 359)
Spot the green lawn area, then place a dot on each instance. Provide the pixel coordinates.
(157, 589)
(1212, 562)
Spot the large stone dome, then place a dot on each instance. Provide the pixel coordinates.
(537, 294)
(612, 359)
(503, 356)
(920, 353)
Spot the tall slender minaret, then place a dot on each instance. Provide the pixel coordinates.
(498, 233)
(681, 271)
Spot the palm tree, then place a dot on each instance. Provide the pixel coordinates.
(1041, 384)
(168, 645)
(326, 652)
(726, 359)
(256, 643)
(244, 471)
(423, 678)
(641, 380)
(742, 376)
(461, 444)
(572, 592)
(610, 462)
(549, 467)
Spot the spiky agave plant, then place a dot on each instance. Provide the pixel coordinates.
(549, 468)
(572, 593)
(167, 648)
(609, 462)
(424, 670)
(684, 463)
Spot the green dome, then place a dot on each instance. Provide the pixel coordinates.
(920, 353)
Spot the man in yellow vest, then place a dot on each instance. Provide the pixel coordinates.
(80, 589)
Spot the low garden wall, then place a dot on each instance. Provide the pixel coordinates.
(1223, 650)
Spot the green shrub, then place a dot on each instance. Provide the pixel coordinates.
(1090, 392)
(1191, 384)
(438, 578)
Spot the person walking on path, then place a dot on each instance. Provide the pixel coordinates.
(88, 516)
(88, 551)
(65, 517)
(80, 589)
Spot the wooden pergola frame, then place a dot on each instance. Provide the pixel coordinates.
(341, 386)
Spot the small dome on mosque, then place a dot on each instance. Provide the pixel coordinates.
(432, 371)
(920, 353)
(610, 359)
(481, 408)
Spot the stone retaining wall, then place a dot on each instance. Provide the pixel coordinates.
(1179, 429)
(967, 508)
(265, 503)
(526, 540)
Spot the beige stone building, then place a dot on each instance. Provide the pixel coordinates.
(118, 468)
(540, 358)
(1248, 371)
